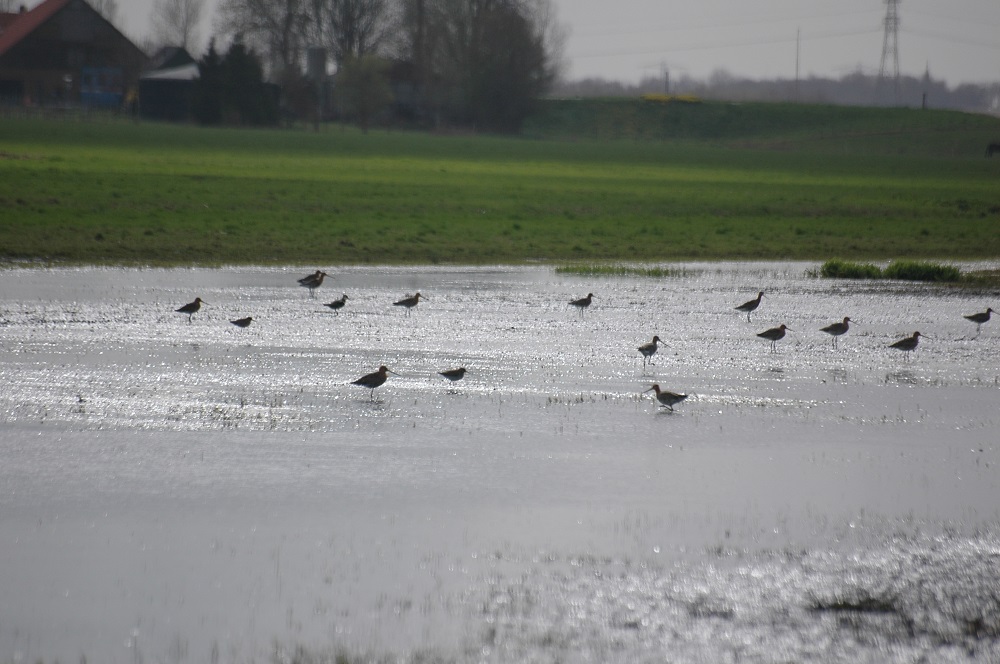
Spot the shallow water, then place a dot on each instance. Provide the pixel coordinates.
(198, 492)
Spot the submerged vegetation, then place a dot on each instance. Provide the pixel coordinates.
(671, 182)
(922, 271)
(621, 270)
(839, 269)
(900, 270)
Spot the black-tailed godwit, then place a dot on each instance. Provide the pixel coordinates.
(191, 308)
(774, 334)
(582, 303)
(374, 379)
(907, 344)
(313, 282)
(979, 318)
(666, 399)
(751, 305)
(409, 302)
(306, 280)
(837, 329)
(648, 350)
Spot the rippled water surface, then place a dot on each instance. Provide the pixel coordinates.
(197, 492)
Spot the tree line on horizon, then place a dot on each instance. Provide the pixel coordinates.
(854, 89)
(478, 64)
(481, 64)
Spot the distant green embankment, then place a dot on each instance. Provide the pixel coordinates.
(590, 181)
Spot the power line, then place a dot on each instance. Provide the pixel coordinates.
(723, 44)
(963, 41)
(715, 25)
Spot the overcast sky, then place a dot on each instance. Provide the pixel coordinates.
(626, 40)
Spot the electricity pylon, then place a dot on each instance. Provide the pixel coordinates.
(890, 51)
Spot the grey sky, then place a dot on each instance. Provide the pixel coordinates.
(958, 40)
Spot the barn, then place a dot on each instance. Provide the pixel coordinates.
(166, 88)
(63, 53)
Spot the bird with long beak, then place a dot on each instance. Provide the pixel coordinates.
(666, 399)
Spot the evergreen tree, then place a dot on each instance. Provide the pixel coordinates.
(208, 88)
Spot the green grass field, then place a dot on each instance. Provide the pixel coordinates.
(707, 181)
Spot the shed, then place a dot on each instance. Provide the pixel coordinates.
(166, 89)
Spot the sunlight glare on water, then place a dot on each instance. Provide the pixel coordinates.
(227, 494)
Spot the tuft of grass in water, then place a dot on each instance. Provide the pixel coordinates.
(838, 269)
(901, 270)
(922, 271)
(601, 270)
(860, 602)
(987, 279)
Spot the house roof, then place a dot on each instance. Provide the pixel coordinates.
(6, 18)
(170, 57)
(27, 22)
(188, 72)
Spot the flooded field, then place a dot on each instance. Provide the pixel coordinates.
(198, 492)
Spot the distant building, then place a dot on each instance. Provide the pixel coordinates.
(166, 88)
(64, 53)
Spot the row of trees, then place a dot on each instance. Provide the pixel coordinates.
(857, 88)
(481, 63)
(231, 89)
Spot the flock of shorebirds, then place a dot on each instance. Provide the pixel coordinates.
(665, 398)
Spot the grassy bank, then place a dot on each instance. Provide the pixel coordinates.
(907, 184)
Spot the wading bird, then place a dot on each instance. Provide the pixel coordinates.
(409, 302)
(313, 282)
(191, 308)
(648, 350)
(374, 379)
(453, 375)
(751, 305)
(337, 305)
(242, 322)
(979, 318)
(837, 329)
(666, 399)
(582, 303)
(310, 277)
(907, 344)
(774, 334)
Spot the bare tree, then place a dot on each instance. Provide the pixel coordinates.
(176, 22)
(364, 88)
(352, 28)
(276, 28)
(489, 61)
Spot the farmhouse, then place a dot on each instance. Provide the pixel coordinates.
(63, 53)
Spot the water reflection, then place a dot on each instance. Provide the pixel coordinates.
(904, 376)
(273, 501)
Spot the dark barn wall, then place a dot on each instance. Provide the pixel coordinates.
(76, 57)
(165, 99)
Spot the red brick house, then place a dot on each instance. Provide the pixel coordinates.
(64, 53)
